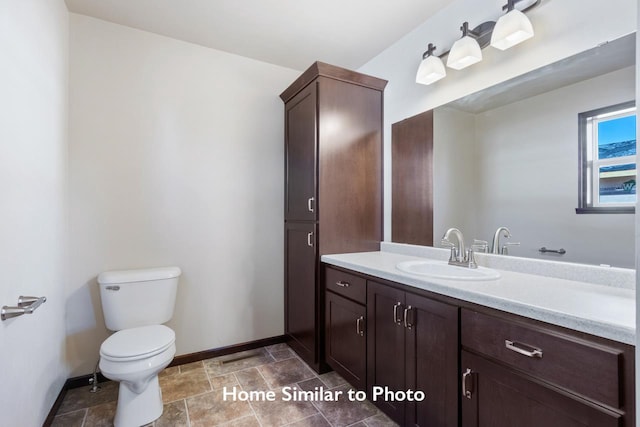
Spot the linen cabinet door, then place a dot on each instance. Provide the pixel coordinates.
(386, 345)
(300, 287)
(494, 395)
(432, 361)
(300, 156)
(345, 339)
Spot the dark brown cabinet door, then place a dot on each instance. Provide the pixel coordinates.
(432, 361)
(497, 396)
(300, 156)
(386, 345)
(300, 303)
(346, 344)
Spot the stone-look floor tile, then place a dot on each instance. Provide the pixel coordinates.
(251, 379)
(191, 367)
(237, 362)
(250, 421)
(101, 415)
(332, 379)
(174, 370)
(72, 419)
(345, 412)
(211, 409)
(278, 374)
(228, 380)
(314, 421)
(279, 412)
(283, 354)
(380, 420)
(82, 398)
(173, 415)
(191, 383)
(312, 384)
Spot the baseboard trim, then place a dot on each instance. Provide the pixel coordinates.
(223, 351)
(83, 380)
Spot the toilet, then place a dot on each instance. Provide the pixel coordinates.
(135, 304)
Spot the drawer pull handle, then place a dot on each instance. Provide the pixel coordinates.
(467, 391)
(343, 284)
(309, 241)
(359, 329)
(310, 204)
(536, 353)
(396, 320)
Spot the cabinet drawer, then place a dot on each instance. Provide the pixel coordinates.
(575, 364)
(345, 284)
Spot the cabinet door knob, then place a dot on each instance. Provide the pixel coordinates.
(359, 329)
(310, 203)
(466, 390)
(533, 352)
(396, 319)
(310, 239)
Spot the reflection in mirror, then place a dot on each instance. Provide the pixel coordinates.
(509, 157)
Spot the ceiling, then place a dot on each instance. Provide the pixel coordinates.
(289, 33)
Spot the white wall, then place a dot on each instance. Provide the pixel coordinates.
(454, 173)
(519, 164)
(176, 159)
(563, 28)
(33, 217)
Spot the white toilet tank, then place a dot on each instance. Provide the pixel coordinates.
(132, 298)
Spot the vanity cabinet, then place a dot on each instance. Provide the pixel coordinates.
(517, 373)
(345, 326)
(333, 188)
(412, 344)
(477, 366)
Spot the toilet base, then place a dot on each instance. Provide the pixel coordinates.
(135, 409)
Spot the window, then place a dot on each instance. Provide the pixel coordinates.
(608, 160)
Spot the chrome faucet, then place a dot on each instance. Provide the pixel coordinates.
(459, 256)
(495, 247)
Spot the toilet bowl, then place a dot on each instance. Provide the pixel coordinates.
(135, 303)
(134, 357)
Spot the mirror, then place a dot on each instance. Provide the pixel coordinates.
(509, 156)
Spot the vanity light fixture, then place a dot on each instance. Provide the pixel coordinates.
(511, 29)
(431, 68)
(466, 51)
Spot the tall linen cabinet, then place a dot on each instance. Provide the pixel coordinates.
(333, 188)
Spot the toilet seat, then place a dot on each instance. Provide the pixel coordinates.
(137, 343)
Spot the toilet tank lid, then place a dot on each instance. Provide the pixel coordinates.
(138, 275)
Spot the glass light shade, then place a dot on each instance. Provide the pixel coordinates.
(511, 29)
(464, 52)
(431, 70)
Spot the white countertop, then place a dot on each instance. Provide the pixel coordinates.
(604, 311)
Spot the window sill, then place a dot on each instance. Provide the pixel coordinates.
(607, 210)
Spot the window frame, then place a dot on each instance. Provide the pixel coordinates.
(586, 172)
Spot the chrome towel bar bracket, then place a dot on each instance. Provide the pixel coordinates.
(26, 305)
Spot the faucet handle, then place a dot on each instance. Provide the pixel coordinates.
(480, 245)
(505, 247)
(454, 254)
(445, 243)
(471, 259)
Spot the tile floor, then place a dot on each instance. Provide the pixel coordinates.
(192, 396)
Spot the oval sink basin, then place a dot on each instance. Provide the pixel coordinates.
(442, 270)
